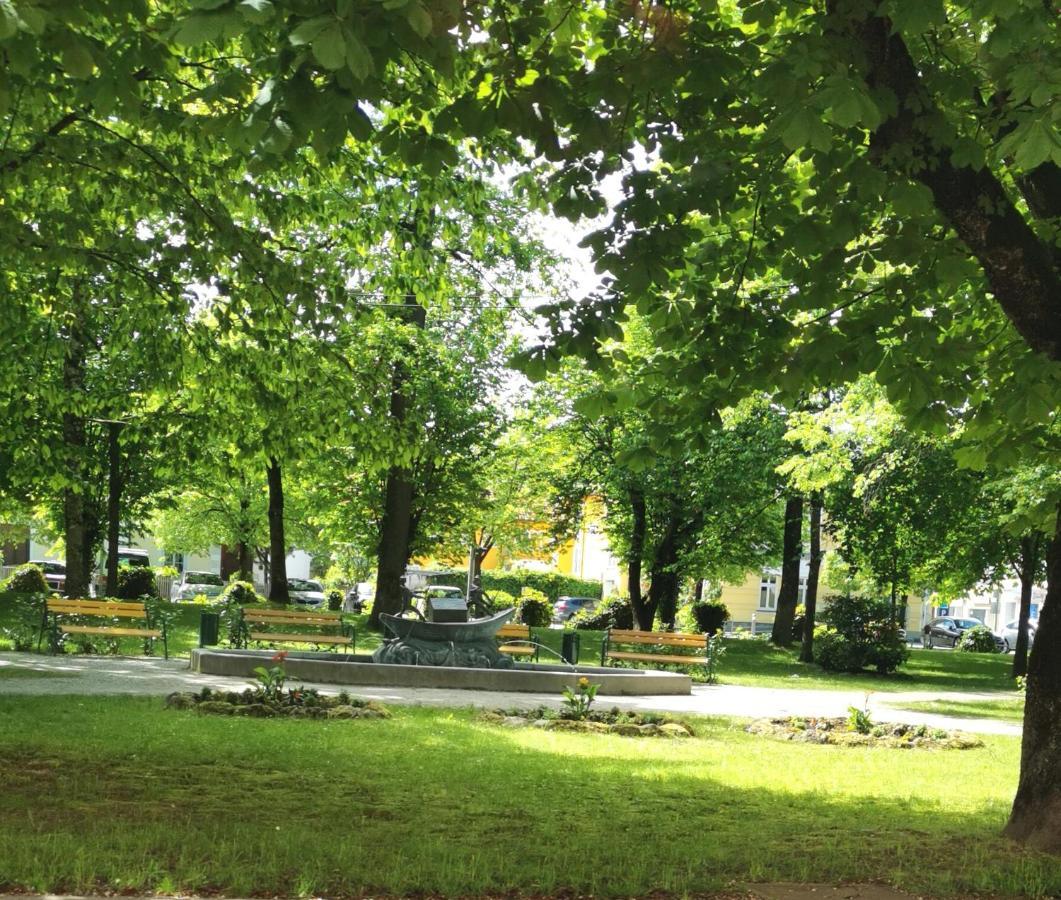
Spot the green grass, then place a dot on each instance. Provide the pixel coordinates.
(762, 664)
(117, 794)
(1007, 710)
(10, 672)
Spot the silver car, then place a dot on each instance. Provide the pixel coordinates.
(306, 593)
(194, 583)
(1009, 635)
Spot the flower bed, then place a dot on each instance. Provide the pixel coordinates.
(297, 703)
(613, 721)
(840, 732)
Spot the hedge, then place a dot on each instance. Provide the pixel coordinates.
(552, 584)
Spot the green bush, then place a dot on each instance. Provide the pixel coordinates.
(241, 593)
(552, 584)
(135, 582)
(499, 600)
(611, 612)
(534, 609)
(977, 639)
(859, 633)
(26, 579)
(708, 616)
(335, 600)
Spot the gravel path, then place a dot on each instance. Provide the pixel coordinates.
(139, 675)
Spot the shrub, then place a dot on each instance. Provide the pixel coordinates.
(335, 600)
(708, 616)
(534, 609)
(499, 600)
(26, 579)
(612, 612)
(135, 582)
(977, 639)
(241, 593)
(859, 633)
(552, 584)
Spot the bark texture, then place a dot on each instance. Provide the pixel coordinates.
(810, 604)
(114, 503)
(792, 552)
(277, 543)
(74, 441)
(1036, 816)
(644, 610)
(1029, 562)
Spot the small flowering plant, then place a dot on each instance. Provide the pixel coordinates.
(271, 681)
(577, 702)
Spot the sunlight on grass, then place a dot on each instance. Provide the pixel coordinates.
(102, 793)
(1006, 710)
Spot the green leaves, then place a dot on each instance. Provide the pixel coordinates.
(329, 47)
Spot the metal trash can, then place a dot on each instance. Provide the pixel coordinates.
(209, 628)
(569, 647)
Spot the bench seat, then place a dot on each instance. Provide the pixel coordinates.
(513, 631)
(301, 638)
(329, 627)
(665, 640)
(57, 608)
(656, 657)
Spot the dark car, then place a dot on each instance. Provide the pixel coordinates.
(566, 607)
(947, 630)
(54, 574)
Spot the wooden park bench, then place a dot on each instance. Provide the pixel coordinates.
(327, 627)
(662, 640)
(121, 615)
(515, 632)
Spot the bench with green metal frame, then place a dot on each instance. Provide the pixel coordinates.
(328, 627)
(520, 638)
(122, 615)
(664, 640)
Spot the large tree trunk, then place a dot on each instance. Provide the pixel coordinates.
(644, 612)
(810, 604)
(663, 588)
(1020, 268)
(792, 553)
(74, 441)
(392, 554)
(277, 544)
(1029, 562)
(114, 503)
(1036, 816)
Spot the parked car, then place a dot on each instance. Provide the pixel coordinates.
(54, 573)
(946, 630)
(1009, 635)
(306, 593)
(360, 594)
(133, 556)
(566, 607)
(193, 583)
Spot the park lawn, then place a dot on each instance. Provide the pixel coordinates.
(9, 672)
(1006, 710)
(119, 795)
(761, 664)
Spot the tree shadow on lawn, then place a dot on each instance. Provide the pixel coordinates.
(430, 802)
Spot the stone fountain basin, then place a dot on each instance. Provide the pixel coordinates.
(359, 669)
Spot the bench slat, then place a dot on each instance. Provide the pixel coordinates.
(292, 613)
(290, 620)
(516, 650)
(96, 609)
(662, 638)
(301, 638)
(512, 631)
(122, 632)
(657, 657)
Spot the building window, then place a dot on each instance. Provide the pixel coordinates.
(768, 593)
(802, 593)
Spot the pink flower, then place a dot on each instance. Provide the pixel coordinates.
(280, 656)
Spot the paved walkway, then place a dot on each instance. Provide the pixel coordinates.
(132, 675)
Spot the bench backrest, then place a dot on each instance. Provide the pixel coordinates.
(514, 630)
(289, 617)
(61, 606)
(658, 638)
